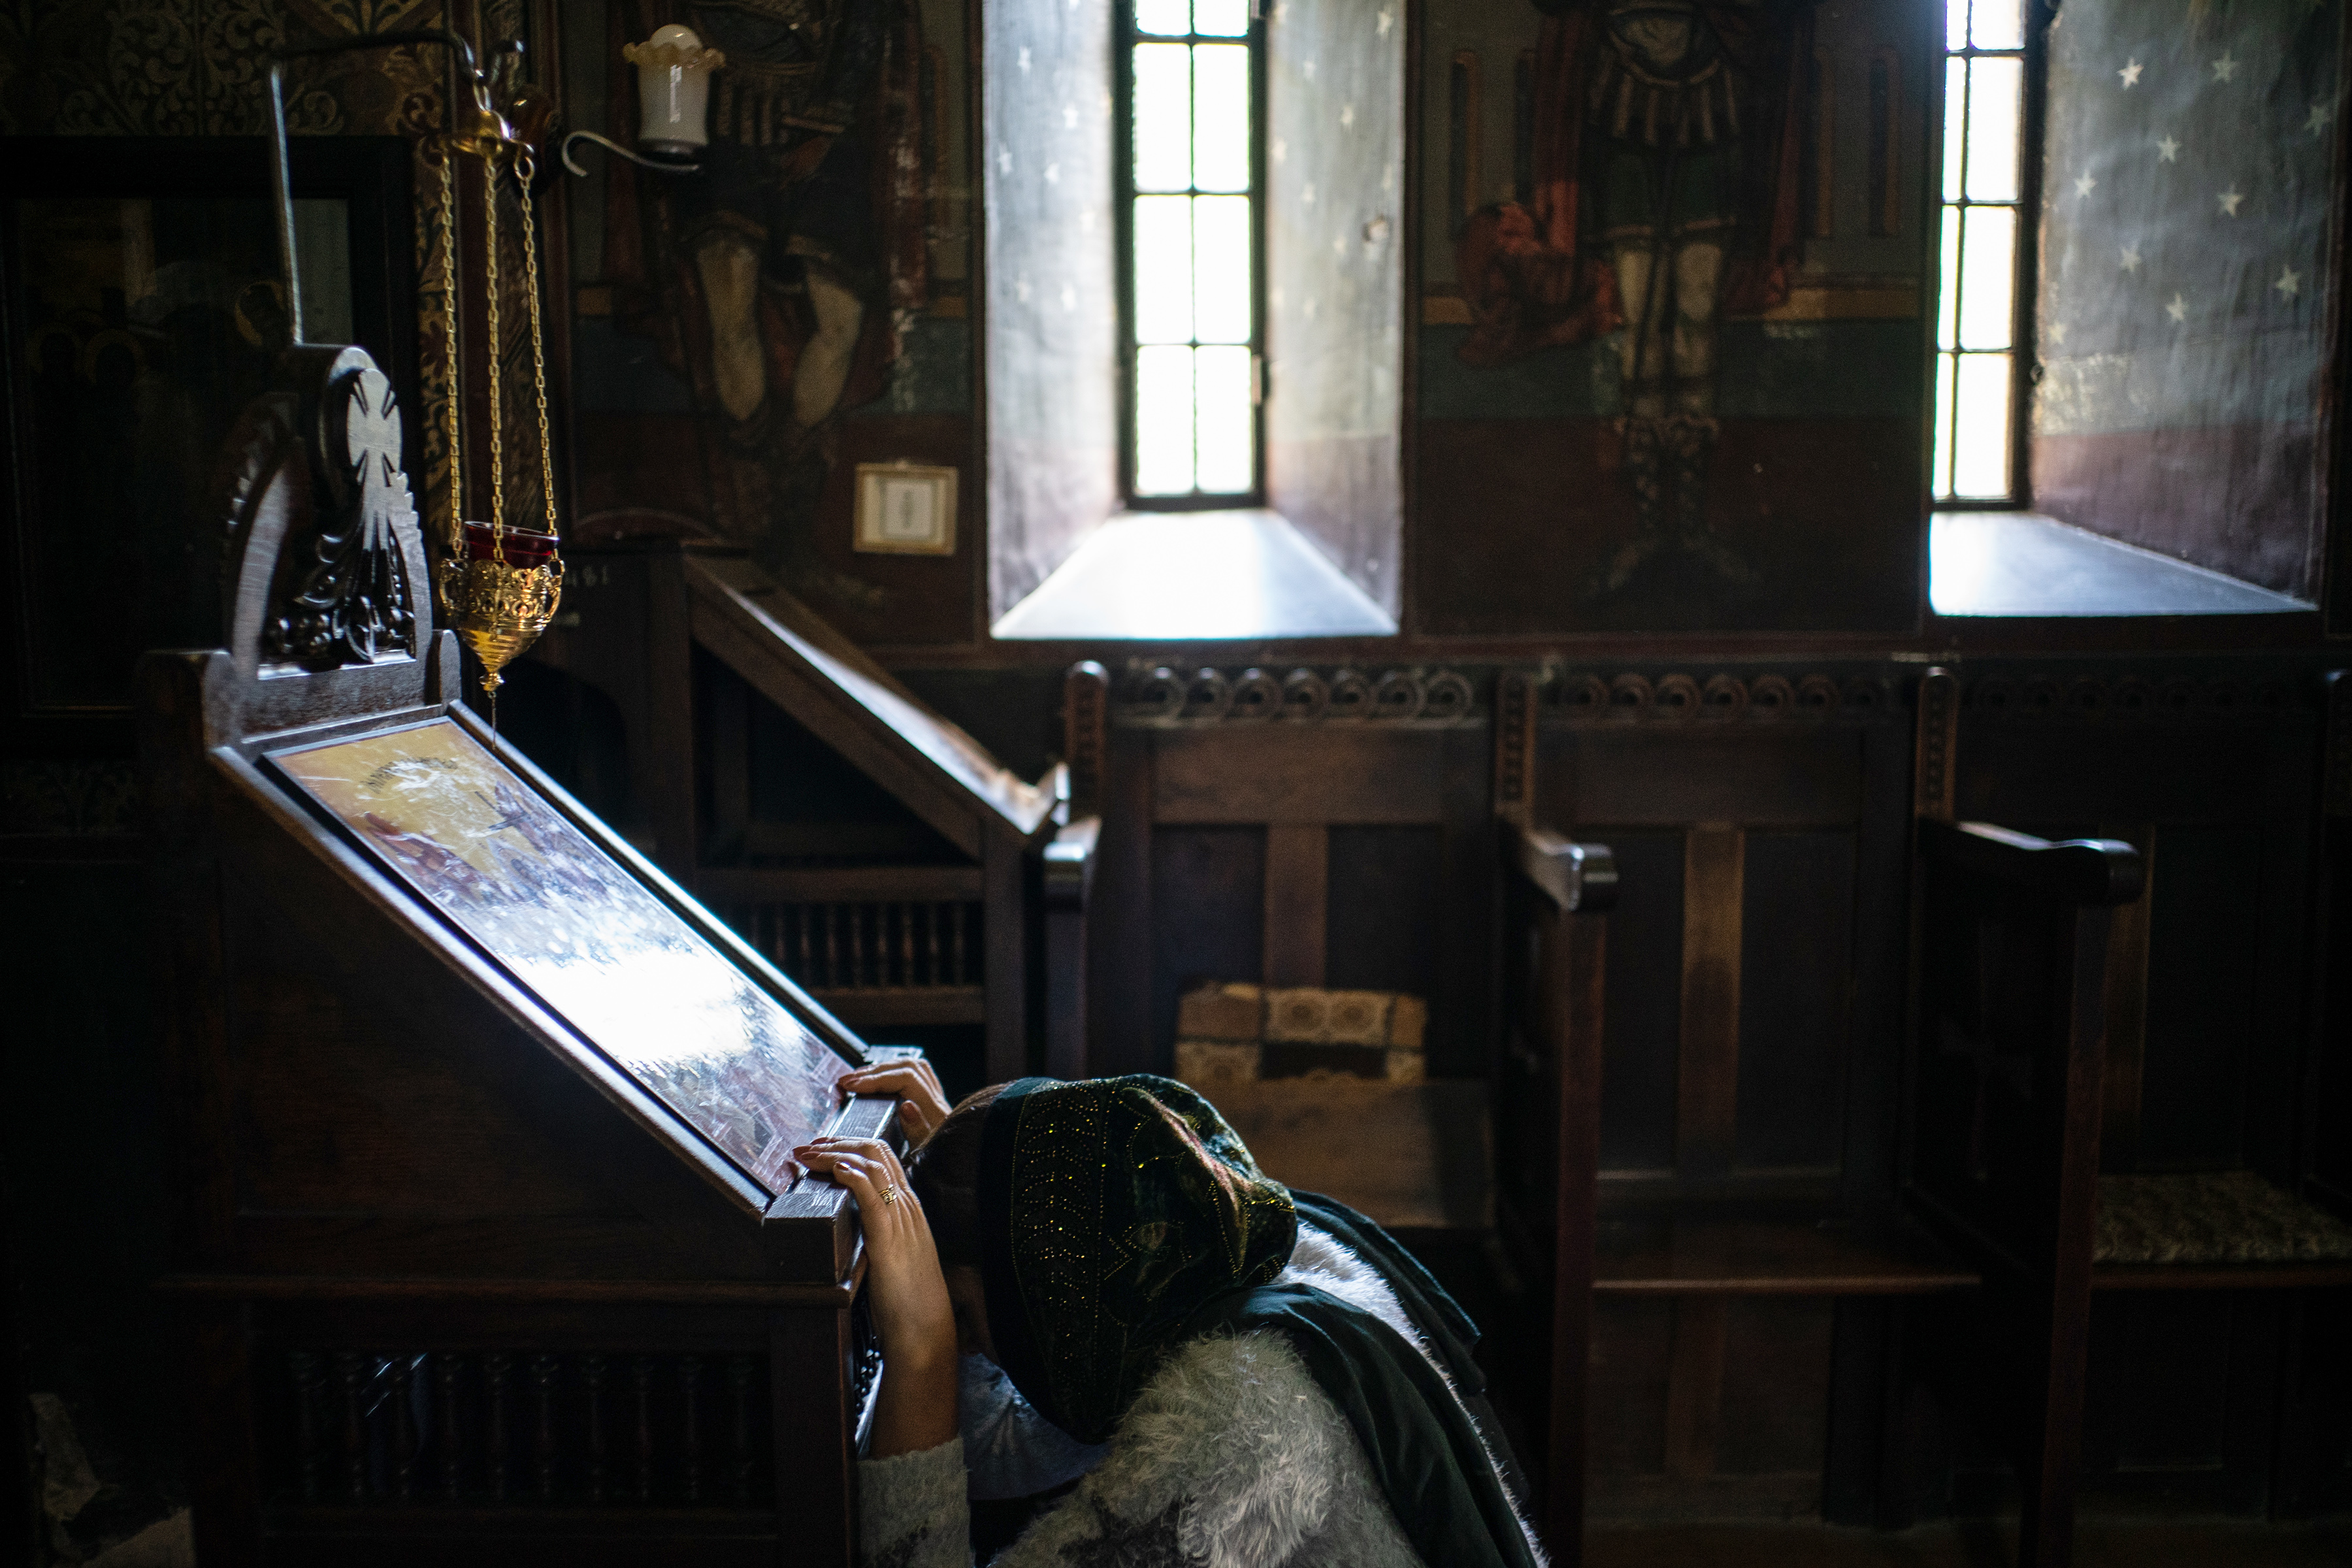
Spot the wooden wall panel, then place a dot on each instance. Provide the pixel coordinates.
(1641, 1045)
(1795, 999)
(2203, 950)
(1297, 873)
(1660, 776)
(1387, 910)
(1706, 1070)
(1208, 913)
(1323, 774)
(1631, 1341)
(1775, 1362)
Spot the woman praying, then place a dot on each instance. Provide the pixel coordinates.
(1093, 1282)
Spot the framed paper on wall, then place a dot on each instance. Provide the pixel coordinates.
(141, 307)
(905, 509)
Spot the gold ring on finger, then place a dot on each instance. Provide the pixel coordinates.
(890, 1195)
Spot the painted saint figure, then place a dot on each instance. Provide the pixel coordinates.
(774, 277)
(1664, 197)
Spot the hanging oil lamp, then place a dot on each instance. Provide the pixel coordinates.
(499, 585)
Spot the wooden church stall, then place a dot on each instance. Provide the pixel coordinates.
(2071, 1057)
(490, 1245)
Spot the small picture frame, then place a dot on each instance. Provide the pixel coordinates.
(905, 509)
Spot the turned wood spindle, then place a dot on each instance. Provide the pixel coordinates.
(689, 1397)
(543, 1372)
(450, 1369)
(405, 1439)
(591, 1384)
(739, 1394)
(642, 1374)
(498, 1370)
(310, 1377)
(350, 1376)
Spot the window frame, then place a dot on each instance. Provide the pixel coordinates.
(1124, 37)
(2025, 342)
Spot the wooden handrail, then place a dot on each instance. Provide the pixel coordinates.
(2089, 872)
(1577, 877)
(1070, 863)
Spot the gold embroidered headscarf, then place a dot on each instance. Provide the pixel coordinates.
(1112, 1211)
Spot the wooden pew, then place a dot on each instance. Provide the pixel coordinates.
(1724, 1161)
(2033, 968)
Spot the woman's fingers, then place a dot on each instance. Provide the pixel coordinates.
(921, 1105)
(868, 1167)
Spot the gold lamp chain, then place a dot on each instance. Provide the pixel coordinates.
(453, 391)
(525, 166)
(496, 348)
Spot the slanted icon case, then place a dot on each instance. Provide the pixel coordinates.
(446, 817)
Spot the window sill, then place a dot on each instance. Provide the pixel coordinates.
(1994, 563)
(1194, 576)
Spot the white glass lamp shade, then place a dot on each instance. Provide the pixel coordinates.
(673, 90)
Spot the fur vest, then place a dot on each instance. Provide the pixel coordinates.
(1230, 1457)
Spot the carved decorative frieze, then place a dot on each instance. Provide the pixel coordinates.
(1165, 694)
(1693, 698)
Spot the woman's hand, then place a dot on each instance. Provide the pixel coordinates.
(921, 1105)
(916, 1408)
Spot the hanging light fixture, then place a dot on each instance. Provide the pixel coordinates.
(499, 585)
(673, 101)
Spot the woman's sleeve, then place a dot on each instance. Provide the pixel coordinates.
(911, 1510)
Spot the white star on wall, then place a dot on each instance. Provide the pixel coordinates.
(2231, 201)
(2320, 114)
(2177, 309)
(1386, 20)
(2084, 185)
(2130, 262)
(2168, 151)
(2226, 67)
(2058, 331)
(2130, 73)
(2290, 282)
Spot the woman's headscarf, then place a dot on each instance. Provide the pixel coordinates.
(1120, 1218)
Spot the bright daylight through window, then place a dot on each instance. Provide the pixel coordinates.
(1191, 244)
(1976, 327)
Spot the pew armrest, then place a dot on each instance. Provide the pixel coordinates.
(2076, 870)
(1070, 863)
(1577, 877)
